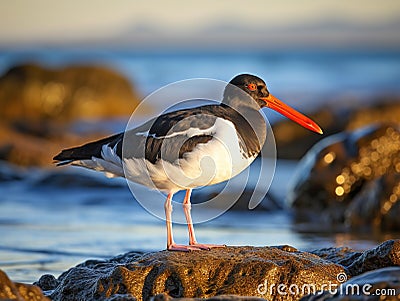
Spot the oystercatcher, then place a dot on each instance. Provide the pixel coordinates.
(167, 153)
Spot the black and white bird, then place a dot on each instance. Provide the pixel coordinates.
(168, 152)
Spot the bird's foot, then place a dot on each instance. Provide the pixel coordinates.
(182, 248)
(192, 247)
(206, 246)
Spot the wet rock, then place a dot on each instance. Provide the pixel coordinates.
(164, 297)
(245, 271)
(343, 114)
(47, 282)
(10, 290)
(378, 268)
(381, 284)
(350, 181)
(385, 255)
(39, 104)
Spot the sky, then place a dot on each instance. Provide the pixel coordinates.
(232, 23)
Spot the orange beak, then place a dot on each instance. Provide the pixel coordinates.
(282, 108)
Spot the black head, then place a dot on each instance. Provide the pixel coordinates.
(252, 85)
(257, 89)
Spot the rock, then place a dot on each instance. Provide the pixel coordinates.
(385, 255)
(47, 282)
(381, 284)
(164, 297)
(39, 104)
(31, 93)
(225, 197)
(19, 291)
(337, 116)
(378, 268)
(350, 181)
(240, 271)
(24, 149)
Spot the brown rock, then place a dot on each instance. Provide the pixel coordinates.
(242, 271)
(164, 297)
(25, 149)
(38, 104)
(19, 291)
(34, 93)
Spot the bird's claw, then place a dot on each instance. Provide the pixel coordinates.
(193, 247)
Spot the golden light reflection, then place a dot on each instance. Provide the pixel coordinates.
(340, 179)
(376, 158)
(339, 191)
(329, 157)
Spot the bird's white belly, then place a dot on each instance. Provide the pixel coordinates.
(208, 163)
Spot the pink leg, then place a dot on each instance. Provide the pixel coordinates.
(187, 206)
(171, 245)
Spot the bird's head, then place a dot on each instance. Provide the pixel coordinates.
(257, 89)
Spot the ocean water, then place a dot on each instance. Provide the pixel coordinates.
(304, 76)
(47, 226)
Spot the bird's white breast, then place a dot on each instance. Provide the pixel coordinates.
(208, 163)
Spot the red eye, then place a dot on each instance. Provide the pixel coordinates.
(252, 87)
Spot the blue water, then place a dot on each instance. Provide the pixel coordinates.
(47, 228)
(298, 75)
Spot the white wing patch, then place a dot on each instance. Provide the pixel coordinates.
(190, 132)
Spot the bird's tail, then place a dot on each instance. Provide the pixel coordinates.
(87, 151)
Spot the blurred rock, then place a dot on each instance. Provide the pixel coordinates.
(19, 291)
(244, 271)
(293, 141)
(30, 150)
(350, 181)
(30, 93)
(39, 104)
(224, 199)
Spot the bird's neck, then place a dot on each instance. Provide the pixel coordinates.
(249, 122)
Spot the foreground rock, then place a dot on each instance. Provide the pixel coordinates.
(351, 180)
(381, 284)
(18, 291)
(385, 255)
(39, 104)
(238, 271)
(245, 271)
